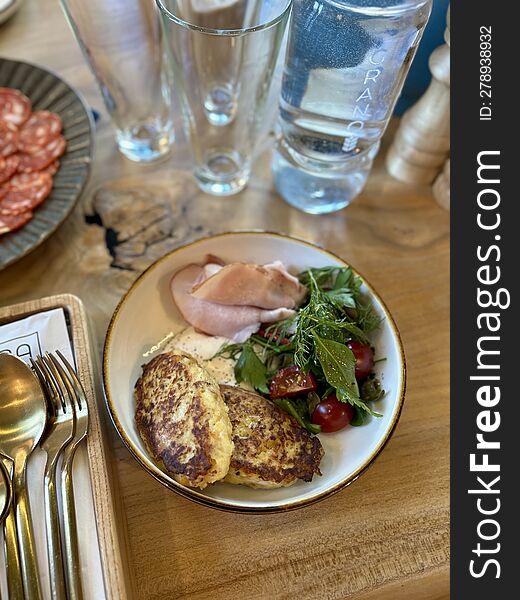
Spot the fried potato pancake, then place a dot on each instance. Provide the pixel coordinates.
(270, 449)
(183, 420)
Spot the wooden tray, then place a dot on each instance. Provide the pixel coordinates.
(113, 557)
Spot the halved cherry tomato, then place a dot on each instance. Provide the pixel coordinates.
(364, 356)
(332, 415)
(291, 381)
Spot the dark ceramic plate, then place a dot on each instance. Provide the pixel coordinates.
(48, 92)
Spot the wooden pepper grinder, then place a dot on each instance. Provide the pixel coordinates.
(422, 142)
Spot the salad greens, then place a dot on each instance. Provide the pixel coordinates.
(315, 340)
(251, 369)
(299, 409)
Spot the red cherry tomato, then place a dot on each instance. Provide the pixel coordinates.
(364, 356)
(332, 415)
(291, 381)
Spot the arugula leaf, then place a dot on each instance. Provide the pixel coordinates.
(347, 396)
(342, 278)
(346, 281)
(338, 364)
(359, 418)
(298, 409)
(250, 369)
(342, 298)
(356, 332)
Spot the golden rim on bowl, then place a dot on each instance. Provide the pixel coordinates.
(200, 498)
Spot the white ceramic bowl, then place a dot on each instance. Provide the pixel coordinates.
(146, 314)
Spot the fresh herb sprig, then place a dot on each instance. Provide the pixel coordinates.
(315, 340)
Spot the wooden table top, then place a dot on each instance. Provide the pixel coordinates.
(384, 537)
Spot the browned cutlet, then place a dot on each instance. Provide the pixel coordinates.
(270, 449)
(183, 420)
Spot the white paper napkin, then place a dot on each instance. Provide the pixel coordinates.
(26, 338)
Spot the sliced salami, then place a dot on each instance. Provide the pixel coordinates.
(8, 166)
(15, 107)
(15, 202)
(30, 146)
(8, 138)
(39, 129)
(26, 191)
(43, 158)
(29, 181)
(12, 222)
(52, 169)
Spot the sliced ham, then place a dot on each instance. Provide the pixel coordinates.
(208, 270)
(269, 286)
(234, 322)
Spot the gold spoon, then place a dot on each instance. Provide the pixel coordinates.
(6, 491)
(14, 573)
(23, 415)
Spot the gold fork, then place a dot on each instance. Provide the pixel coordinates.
(56, 438)
(69, 382)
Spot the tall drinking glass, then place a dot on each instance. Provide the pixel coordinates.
(222, 54)
(121, 41)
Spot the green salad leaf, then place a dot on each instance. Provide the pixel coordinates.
(338, 364)
(250, 369)
(299, 409)
(360, 417)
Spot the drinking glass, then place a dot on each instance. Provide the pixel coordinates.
(222, 55)
(345, 65)
(121, 41)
